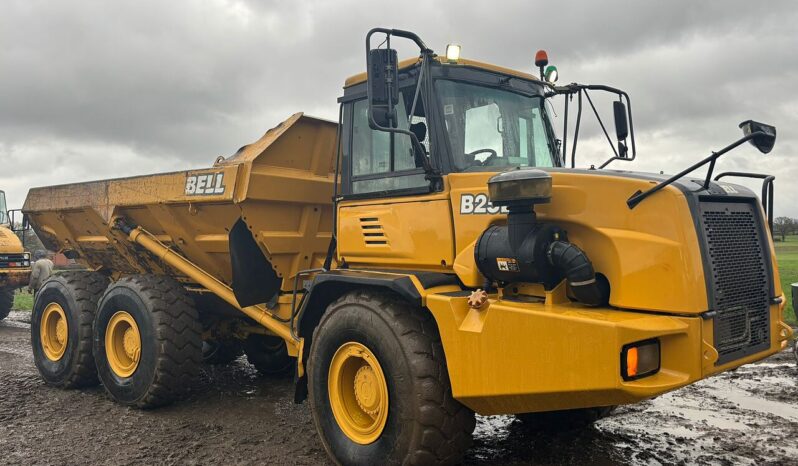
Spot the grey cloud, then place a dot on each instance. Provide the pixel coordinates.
(97, 89)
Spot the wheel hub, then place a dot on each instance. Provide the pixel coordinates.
(367, 390)
(54, 332)
(131, 343)
(358, 393)
(123, 344)
(61, 331)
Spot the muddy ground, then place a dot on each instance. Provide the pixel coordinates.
(749, 416)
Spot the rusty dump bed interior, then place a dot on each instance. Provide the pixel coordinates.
(281, 186)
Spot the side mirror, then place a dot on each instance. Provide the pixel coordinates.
(764, 141)
(621, 127)
(621, 124)
(25, 222)
(383, 88)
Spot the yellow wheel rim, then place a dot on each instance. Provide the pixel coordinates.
(54, 331)
(358, 393)
(123, 344)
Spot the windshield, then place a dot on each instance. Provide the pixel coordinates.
(490, 127)
(3, 209)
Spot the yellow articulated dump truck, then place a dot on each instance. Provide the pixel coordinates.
(14, 261)
(429, 257)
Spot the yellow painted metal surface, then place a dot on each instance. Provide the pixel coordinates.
(9, 242)
(413, 232)
(358, 393)
(258, 313)
(54, 332)
(193, 211)
(650, 254)
(123, 344)
(406, 63)
(516, 356)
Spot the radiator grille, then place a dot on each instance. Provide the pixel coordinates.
(740, 279)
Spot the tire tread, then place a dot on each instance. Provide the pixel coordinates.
(444, 426)
(6, 302)
(86, 289)
(179, 335)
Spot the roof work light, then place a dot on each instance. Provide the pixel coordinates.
(452, 53)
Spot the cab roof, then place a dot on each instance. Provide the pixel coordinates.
(409, 62)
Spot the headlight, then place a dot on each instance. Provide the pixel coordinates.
(640, 359)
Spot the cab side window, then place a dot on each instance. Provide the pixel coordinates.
(383, 161)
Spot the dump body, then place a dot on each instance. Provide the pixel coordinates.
(280, 186)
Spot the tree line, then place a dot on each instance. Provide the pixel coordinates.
(783, 226)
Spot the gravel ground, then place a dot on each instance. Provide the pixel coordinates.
(749, 416)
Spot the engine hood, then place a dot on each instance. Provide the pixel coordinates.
(9, 243)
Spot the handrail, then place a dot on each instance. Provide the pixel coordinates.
(767, 190)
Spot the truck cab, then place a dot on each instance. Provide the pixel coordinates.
(14, 261)
(451, 174)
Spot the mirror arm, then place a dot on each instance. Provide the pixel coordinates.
(564, 149)
(576, 128)
(640, 196)
(398, 33)
(601, 123)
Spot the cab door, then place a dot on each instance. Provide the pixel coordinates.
(388, 217)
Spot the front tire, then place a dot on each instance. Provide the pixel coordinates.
(61, 328)
(147, 341)
(379, 386)
(6, 302)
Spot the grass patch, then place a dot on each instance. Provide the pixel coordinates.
(787, 257)
(23, 301)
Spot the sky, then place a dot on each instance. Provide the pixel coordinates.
(97, 89)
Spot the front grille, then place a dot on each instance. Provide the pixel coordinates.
(740, 278)
(10, 261)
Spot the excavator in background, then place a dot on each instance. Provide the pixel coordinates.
(14, 260)
(429, 256)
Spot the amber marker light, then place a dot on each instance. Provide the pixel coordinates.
(631, 362)
(640, 359)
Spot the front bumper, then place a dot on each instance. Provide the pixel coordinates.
(14, 278)
(514, 357)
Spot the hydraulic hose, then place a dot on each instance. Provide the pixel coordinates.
(573, 263)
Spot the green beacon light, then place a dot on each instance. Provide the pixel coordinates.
(551, 74)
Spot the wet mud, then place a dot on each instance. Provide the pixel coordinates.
(234, 416)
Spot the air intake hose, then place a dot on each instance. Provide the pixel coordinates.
(573, 263)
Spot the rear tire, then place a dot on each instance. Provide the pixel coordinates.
(368, 337)
(6, 302)
(268, 354)
(61, 343)
(147, 341)
(564, 421)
